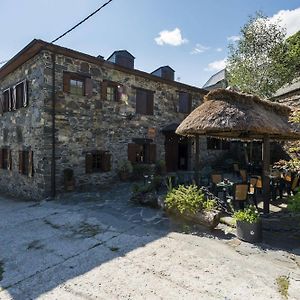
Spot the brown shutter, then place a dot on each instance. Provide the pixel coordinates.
(120, 91)
(66, 87)
(30, 163)
(21, 162)
(1, 158)
(152, 153)
(141, 102)
(104, 90)
(131, 152)
(88, 85)
(150, 97)
(106, 161)
(9, 163)
(89, 163)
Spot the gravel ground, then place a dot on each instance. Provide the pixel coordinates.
(100, 246)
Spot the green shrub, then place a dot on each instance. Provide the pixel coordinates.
(160, 167)
(294, 203)
(139, 170)
(248, 214)
(124, 166)
(189, 199)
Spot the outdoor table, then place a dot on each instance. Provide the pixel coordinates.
(226, 187)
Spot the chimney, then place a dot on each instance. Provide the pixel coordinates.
(165, 72)
(122, 58)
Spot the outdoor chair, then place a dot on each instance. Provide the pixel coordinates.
(252, 192)
(243, 174)
(215, 179)
(240, 194)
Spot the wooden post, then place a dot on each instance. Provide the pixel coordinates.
(266, 171)
(197, 166)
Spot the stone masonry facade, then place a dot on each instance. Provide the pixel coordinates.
(84, 123)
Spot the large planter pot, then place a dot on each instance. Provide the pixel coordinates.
(209, 219)
(249, 232)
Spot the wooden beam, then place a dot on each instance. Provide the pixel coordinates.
(266, 171)
(197, 165)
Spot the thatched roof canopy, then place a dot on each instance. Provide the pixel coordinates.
(228, 114)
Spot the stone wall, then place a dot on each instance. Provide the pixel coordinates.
(23, 129)
(89, 123)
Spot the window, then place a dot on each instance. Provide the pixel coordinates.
(26, 163)
(5, 159)
(185, 103)
(111, 91)
(77, 84)
(77, 87)
(142, 153)
(20, 95)
(6, 100)
(144, 102)
(98, 161)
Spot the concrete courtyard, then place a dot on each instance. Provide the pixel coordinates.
(100, 246)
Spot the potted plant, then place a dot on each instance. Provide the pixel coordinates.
(248, 225)
(191, 203)
(124, 169)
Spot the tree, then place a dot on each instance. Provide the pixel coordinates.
(258, 63)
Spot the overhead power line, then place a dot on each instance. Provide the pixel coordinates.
(78, 24)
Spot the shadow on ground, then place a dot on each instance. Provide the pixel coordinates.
(43, 245)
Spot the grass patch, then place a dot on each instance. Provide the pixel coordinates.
(283, 283)
(88, 230)
(35, 245)
(1, 270)
(51, 224)
(114, 249)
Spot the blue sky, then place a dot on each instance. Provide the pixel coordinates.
(191, 36)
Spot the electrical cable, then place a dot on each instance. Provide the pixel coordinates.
(78, 24)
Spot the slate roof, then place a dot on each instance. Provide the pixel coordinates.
(288, 88)
(214, 79)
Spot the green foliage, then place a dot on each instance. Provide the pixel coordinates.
(139, 170)
(293, 51)
(169, 183)
(259, 62)
(125, 166)
(294, 203)
(283, 283)
(248, 214)
(160, 167)
(189, 199)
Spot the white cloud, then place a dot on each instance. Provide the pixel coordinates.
(216, 65)
(199, 49)
(233, 38)
(289, 19)
(173, 38)
(219, 49)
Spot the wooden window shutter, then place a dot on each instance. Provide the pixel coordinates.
(141, 102)
(104, 90)
(14, 98)
(1, 158)
(106, 161)
(131, 152)
(1, 104)
(30, 163)
(9, 163)
(21, 163)
(152, 153)
(88, 85)
(150, 97)
(66, 83)
(25, 93)
(120, 92)
(89, 163)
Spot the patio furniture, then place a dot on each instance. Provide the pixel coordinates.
(240, 194)
(243, 174)
(227, 114)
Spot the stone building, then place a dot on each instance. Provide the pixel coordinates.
(65, 110)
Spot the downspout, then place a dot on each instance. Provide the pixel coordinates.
(53, 162)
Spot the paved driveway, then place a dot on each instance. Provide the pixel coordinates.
(99, 246)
